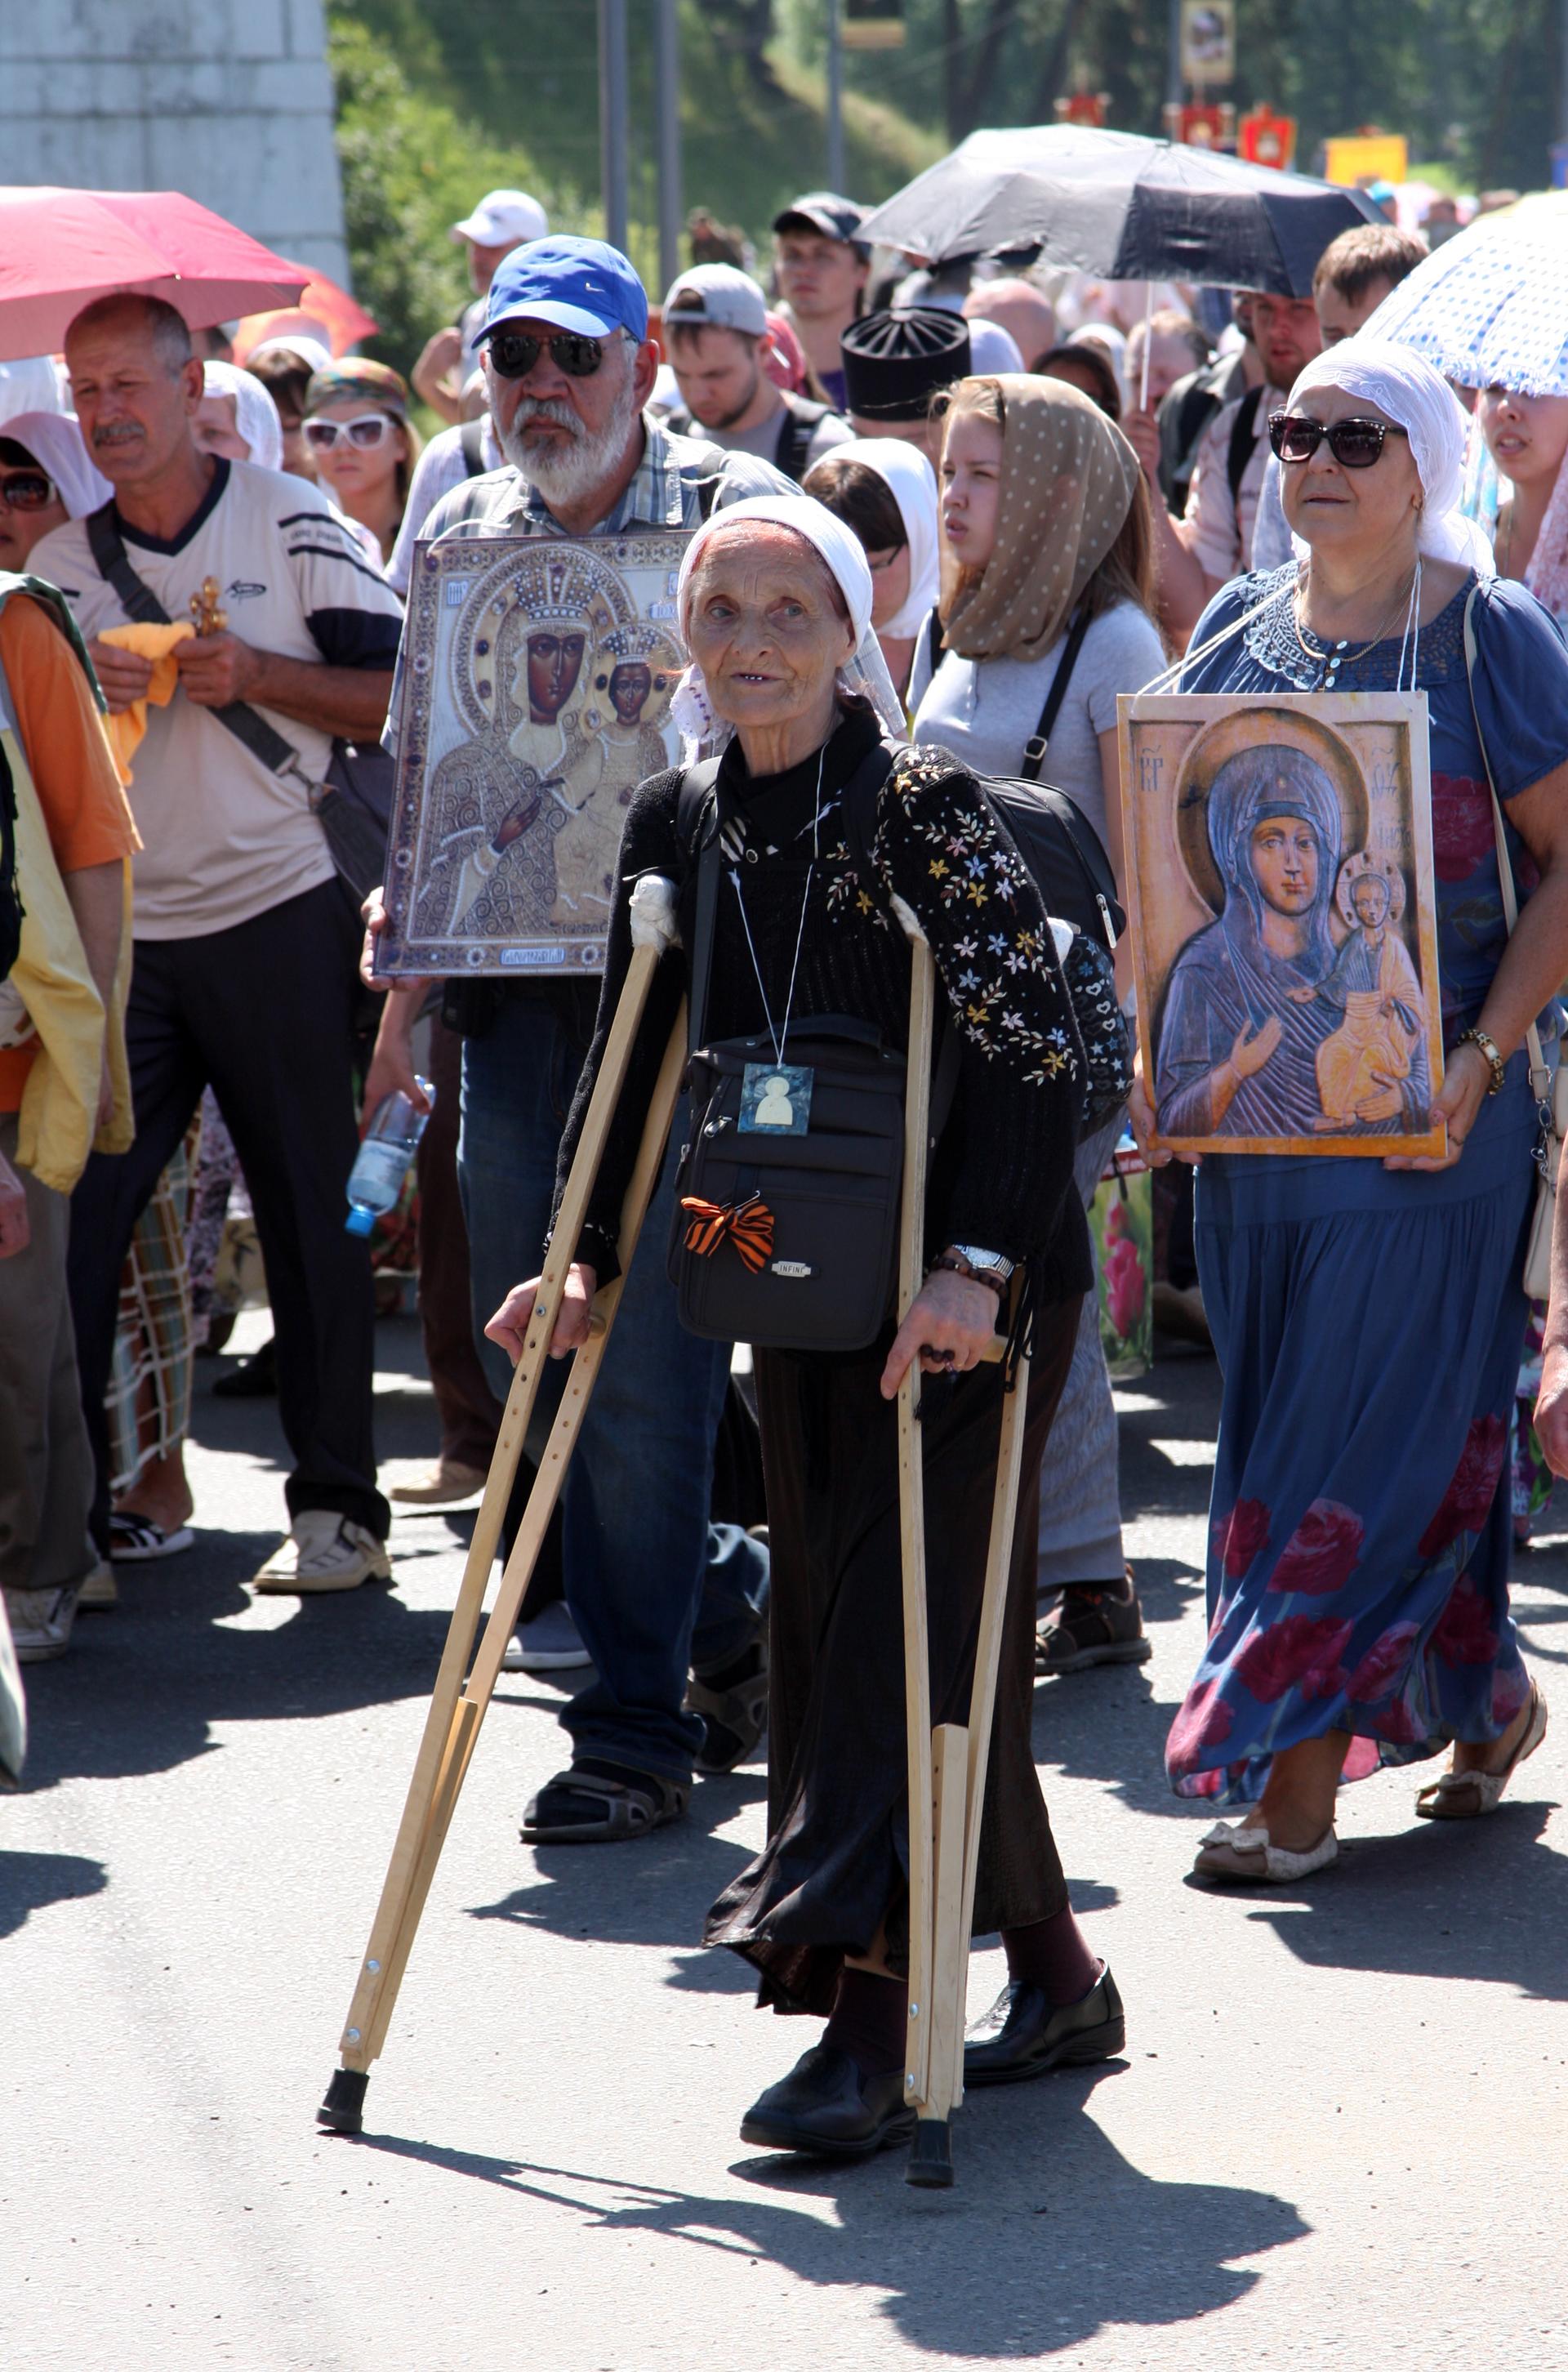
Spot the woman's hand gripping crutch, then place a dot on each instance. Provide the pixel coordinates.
(948, 1766)
(457, 1709)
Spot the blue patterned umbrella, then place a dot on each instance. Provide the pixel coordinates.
(1490, 308)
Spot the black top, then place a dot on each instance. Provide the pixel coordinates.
(1003, 1177)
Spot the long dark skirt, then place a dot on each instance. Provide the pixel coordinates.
(835, 1868)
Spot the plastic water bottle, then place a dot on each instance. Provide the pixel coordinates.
(381, 1165)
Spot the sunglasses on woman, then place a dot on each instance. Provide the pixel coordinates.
(365, 432)
(1354, 444)
(27, 490)
(512, 352)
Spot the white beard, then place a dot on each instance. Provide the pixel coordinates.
(566, 475)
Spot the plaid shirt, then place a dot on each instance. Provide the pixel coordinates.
(666, 491)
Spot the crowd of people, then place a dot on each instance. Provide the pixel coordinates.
(939, 520)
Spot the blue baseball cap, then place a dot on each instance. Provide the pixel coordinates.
(574, 284)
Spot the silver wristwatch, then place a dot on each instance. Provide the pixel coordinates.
(990, 1267)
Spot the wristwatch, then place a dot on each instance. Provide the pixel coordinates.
(984, 1267)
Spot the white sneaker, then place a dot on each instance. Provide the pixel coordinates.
(551, 1643)
(322, 1550)
(41, 1622)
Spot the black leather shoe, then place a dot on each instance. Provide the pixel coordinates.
(828, 2106)
(1021, 2035)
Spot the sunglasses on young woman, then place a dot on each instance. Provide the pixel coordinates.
(27, 490)
(365, 431)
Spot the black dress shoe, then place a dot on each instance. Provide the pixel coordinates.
(829, 2107)
(1021, 2035)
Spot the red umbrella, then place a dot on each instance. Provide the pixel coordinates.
(324, 311)
(59, 248)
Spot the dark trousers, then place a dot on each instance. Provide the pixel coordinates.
(264, 1015)
(468, 1409)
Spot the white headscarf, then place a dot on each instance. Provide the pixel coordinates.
(992, 348)
(311, 352)
(911, 481)
(256, 416)
(55, 443)
(1407, 390)
(865, 675)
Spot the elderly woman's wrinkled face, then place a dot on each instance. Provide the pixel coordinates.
(1326, 504)
(1285, 863)
(766, 624)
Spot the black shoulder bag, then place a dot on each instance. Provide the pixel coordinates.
(787, 1228)
(354, 805)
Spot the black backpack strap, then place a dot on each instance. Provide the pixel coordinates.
(1037, 746)
(696, 808)
(860, 796)
(1243, 438)
(140, 602)
(802, 420)
(470, 441)
(936, 645)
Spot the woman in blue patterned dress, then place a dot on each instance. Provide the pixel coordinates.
(1368, 1314)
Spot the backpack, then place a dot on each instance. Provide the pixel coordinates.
(802, 420)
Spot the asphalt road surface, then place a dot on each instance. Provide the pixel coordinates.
(1335, 2138)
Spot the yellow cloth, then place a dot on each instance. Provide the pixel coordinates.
(157, 643)
(57, 1125)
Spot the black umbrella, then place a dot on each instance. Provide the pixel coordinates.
(1123, 207)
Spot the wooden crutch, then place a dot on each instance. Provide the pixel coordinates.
(948, 1766)
(457, 1707)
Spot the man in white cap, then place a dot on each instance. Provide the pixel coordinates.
(714, 324)
(504, 219)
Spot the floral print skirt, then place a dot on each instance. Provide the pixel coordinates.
(1369, 1324)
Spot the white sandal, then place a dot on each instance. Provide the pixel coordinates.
(1466, 1794)
(1236, 1855)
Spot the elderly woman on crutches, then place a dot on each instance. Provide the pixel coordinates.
(814, 885)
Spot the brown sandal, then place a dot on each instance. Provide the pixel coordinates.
(1092, 1622)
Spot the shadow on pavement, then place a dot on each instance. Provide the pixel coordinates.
(1482, 1899)
(1050, 2236)
(30, 1881)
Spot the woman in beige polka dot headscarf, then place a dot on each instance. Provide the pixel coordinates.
(1046, 589)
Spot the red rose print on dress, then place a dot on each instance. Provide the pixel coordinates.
(1302, 1651)
(1363, 1759)
(1322, 1552)
(1204, 1721)
(1509, 1689)
(1468, 1501)
(1241, 1536)
(1381, 1666)
(1461, 826)
(1397, 1724)
(1124, 1284)
(1464, 1633)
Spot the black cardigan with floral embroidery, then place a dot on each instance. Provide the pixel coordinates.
(1004, 1175)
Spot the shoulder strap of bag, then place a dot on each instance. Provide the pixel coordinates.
(140, 602)
(691, 822)
(470, 441)
(860, 794)
(1039, 741)
(801, 422)
(1243, 438)
(1540, 1077)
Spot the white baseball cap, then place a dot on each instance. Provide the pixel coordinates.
(717, 296)
(503, 217)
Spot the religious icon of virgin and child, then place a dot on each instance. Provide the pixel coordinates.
(570, 695)
(1271, 1028)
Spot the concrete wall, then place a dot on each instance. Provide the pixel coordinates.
(230, 100)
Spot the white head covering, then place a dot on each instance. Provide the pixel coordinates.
(866, 675)
(911, 481)
(1406, 390)
(992, 348)
(315, 354)
(55, 443)
(256, 416)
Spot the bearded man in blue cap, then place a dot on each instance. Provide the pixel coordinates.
(653, 1589)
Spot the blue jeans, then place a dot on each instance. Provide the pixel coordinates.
(652, 1585)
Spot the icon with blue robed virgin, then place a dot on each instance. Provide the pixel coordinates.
(775, 1100)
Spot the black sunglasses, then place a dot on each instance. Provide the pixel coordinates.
(512, 352)
(1354, 444)
(26, 490)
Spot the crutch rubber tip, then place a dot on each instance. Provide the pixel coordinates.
(342, 2111)
(931, 2155)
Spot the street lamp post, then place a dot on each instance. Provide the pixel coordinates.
(836, 97)
(613, 118)
(666, 77)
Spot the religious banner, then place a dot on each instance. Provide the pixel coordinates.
(1087, 106)
(1284, 931)
(538, 680)
(1265, 138)
(1208, 41)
